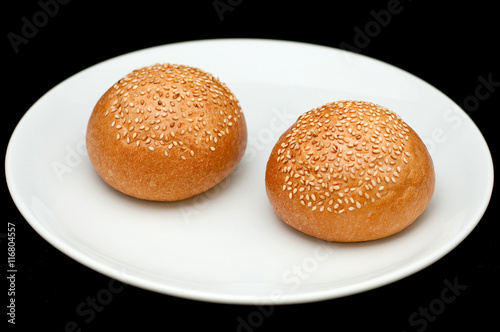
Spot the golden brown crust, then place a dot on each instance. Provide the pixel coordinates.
(349, 171)
(166, 132)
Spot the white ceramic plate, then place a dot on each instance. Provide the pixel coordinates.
(227, 245)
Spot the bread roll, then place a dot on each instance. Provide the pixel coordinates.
(166, 132)
(349, 171)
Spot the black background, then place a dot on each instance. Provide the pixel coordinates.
(449, 46)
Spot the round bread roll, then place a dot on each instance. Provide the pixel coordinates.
(166, 132)
(349, 171)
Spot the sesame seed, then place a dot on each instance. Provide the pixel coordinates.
(168, 86)
(348, 148)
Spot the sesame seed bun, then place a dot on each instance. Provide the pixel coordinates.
(349, 171)
(166, 132)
